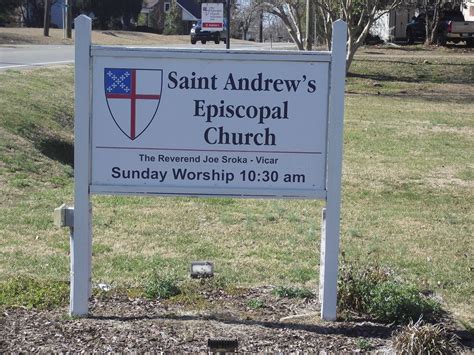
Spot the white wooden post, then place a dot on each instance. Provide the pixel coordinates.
(331, 223)
(81, 238)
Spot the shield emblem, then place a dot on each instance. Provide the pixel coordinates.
(133, 97)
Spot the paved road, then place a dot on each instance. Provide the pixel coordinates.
(28, 56)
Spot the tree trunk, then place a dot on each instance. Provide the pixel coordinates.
(354, 44)
(47, 17)
(309, 25)
(350, 51)
(68, 19)
(434, 31)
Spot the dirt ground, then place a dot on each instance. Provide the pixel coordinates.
(118, 323)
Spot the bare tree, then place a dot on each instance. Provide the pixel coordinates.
(246, 14)
(360, 15)
(274, 29)
(292, 13)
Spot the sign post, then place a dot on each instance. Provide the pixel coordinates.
(214, 123)
(81, 237)
(330, 223)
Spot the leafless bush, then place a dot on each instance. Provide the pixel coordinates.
(420, 338)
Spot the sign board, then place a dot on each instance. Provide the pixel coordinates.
(212, 16)
(207, 123)
(196, 124)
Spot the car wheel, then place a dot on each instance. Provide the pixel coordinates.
(193, 41)
(217, 40)
(203, 41)
(470, 43)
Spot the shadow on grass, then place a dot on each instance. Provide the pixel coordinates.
(406, 79)
(407, 48)
(413, 72)
(411, 62)
(57, 149)
(456, 97)
(420, 47)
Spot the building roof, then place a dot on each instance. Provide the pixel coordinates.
(148, 4)
(191, 6)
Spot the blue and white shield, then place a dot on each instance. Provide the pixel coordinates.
(133, 97)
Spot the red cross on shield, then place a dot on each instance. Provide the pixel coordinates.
(133, 97)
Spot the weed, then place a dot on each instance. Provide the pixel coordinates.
(31, 293)
(193, 301)
(203, 285)
(162, 286)
(355, 233)
(395, 302)
(375, 292)
(292, 292)
(355, 285)
(255, 303)
(419, 338)
(193, 293)
(364, 344)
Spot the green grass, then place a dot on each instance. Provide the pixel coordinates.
(255, 303)
(162, 286)
(32, 293)
(407, 192)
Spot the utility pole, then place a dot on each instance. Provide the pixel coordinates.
(309, 24)
(67, 4)
(260, 27)
(47, 17)
(227, 41)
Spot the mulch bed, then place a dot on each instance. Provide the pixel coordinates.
(118, 323)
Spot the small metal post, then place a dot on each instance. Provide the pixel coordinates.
(227, 42)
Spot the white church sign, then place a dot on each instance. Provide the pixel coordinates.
(207, 123)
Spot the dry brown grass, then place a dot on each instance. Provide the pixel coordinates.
(13, 36)
(419, 338)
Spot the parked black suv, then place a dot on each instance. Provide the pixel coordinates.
(199, 35)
